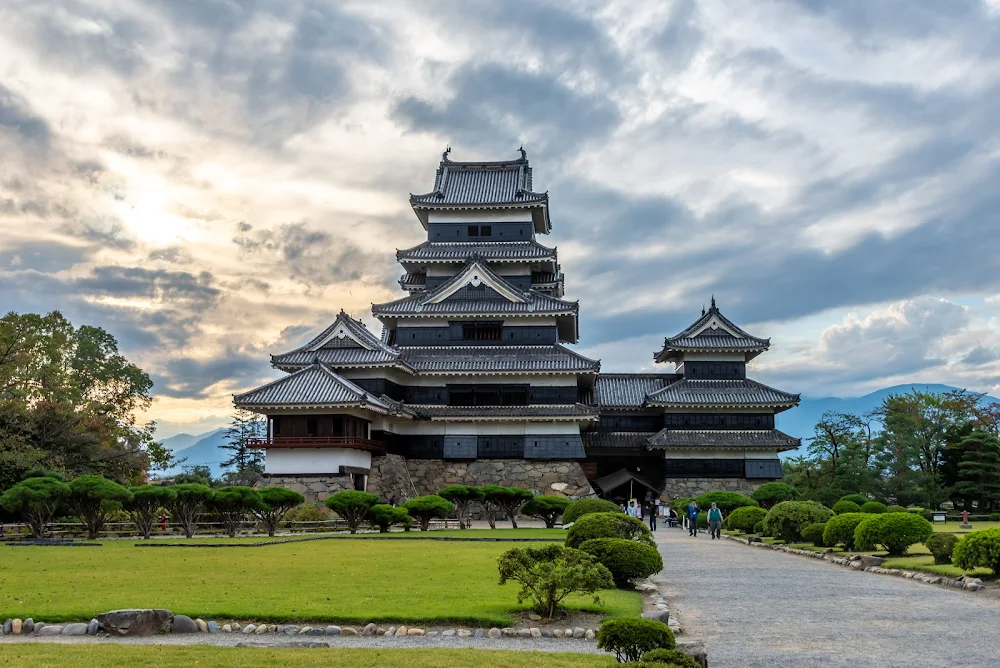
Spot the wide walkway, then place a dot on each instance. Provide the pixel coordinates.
(755, 607)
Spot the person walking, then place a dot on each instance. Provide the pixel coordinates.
(633, 510)
(715, 521)
(651, 514)
(692, 516)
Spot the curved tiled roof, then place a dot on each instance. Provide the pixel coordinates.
(506, 412)
(711, 332)
(617, 439)
(494, 182)
(314, 386)
(629, 390)
(721, 393)
(724, 438)
(537, 303)
(498, 359)
(371, 351)
(492, 251)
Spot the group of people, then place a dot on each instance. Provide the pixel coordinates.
(714, 519)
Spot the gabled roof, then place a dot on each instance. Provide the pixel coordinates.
(724, 438)
(629, 390)
(316, 386)
(494, 184)
(497, 360)
(743, 393)
(476, 273)
(347, 342)
(493, 251)
(712, 332)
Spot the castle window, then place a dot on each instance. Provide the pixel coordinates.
(473, 230)
(482, 331)
(486, 231)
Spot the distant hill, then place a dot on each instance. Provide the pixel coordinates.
(181, 441)
(799, 422)
(204, 450)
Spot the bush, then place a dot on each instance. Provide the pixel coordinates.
(426, 508)
(873, 507)
(463, 496)
(680, 505)
(759, 528)
(895, 509)
(307, 512)
(551, 573)
(840, 529)
(726, 501)
(188, 502)
(546, 508)
(771, 493)
(671, 657)
(44, 473)
(384, 516)
(578, 509)
(233, 503)
(506, 499)
(276, 502)
(787, 519)
(626, 559)
(994, 517)
(146, 503)
(979, 549)
(631, 637)
(859, 499)
(36, 500)
(745, 519)
(942, 545)
(814, 534)
(94, 497)
(894, 531)
(352, 506)
(842, 507)
(608, 525)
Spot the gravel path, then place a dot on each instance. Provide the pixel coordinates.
(755, 607)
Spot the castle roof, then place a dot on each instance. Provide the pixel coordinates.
(739, 393)
(712, 332)
(769, 439)
(430, 252)
(345, 343)
(629, 390)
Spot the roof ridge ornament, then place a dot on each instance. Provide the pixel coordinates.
(713, 303)
(524, 154)
(444, 156)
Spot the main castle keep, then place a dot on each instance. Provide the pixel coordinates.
(471, 380)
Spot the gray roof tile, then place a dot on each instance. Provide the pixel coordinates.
(316, 385)
(629, 390)
(340, 352)
(724, 438)
(712, 339)
(721, 393)
(497, 182)
(497, 359)
(617, 440)
(504, 412)
(492, 251)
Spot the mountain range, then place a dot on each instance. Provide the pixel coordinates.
(198, 449)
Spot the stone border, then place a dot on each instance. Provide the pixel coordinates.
(452, 539)
(870, 564)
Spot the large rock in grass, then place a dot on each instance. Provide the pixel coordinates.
(135, 622)
(53, 630)
(183, 624)
(76, 629)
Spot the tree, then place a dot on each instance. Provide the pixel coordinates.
(979, 471)
(275, 504)
(199, 474)
(36, 500)
(245, 461)
(145, 505)
(551, 573)
(507, 499)
(463, 497)
(384, 516)
(95, 497)
(771, 493)
(426, 508)
(233, 504)
(188, 503)
(352, 506)
(546, 508)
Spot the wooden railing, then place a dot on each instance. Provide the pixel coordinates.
(355, 442)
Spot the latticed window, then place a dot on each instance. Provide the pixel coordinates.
(482, 331)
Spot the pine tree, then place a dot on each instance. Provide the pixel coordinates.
(243, 459)
(979, 470)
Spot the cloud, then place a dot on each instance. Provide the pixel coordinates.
(17, 118)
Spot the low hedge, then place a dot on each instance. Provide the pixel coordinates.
(745, 519)
(896, 532)
(759, 528)
(671, 657)
(942, 546)
(839, 529)
(842, 507)
(627, 560)
(608, 525)
(979, 549)
(873, 507)
(787, 519)
(631, 637)
(859, 499)
(726, 501)
(895, 509)
(578, 509)
(814, 534)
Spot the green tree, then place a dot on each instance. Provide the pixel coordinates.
(979, 471)
(426, 508)
(276, 502)
(384, 516)
(246, 461)
(505, 499)
(463, 496)
(36, 500)
(146, 503)
(233, 504)
(352, 506)
(546, 508)
(549, 574)
(94, 498)
(188, 503)
(200, 474)
(771, 493)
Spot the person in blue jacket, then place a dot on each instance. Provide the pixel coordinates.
(692, 515)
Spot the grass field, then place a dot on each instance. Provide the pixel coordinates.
(558, 535)
(925, 562)
(51, 655)
(341, 580)
(954, 527)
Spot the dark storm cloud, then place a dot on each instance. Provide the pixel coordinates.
(190, 378)
(18, 119)
(196, 291)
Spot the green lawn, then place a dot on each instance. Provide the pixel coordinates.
(51, 655)
(501, 534)
(341, 580)
(925, 562)
(953, 527)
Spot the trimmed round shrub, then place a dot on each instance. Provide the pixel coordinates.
(680, 505)
(671, 657)
(994, 517)
(814, 534)
(425, 508)
(942, 545)
(608, 525)
(384, 516)
(631, 637)
(770, 493)
(859, 499)
(842, 507)
(839, 529)
(726, 501)
(894, 531)
(352, 506)
(979, 549)
(745, 519)
(578, 509)
(895, 509)
(787, 519)
(546, 508)
(626, 559)
(873, 507)
(759, 528)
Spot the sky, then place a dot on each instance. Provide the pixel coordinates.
(212, 181)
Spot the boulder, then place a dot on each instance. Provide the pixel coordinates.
(534, 617)
(272, 628)
(535, 633)
(401, 631)
(369, 630)
(28, 626)
(646, 588)
(202, 625)
(305, 630)
(448, 633)
(77, 629)
(213, 627)
(227, 628)
(183, 624)
(333, 630)
(658, 615)
(464, 633)
(17, 627)
(568, 633)
(38, 627)
(524, 633)
(260, 630)
(53, 630)
(589, 634)
(248, 629)
(391, 631)
(291, 630)
(8, 627)
(493, 633)
(547, 634)
(135, 622)
(579, 633)
(349, 631)
(93, 627)
(379, 631)
(480, 633)
(694, 649)
(414, 632)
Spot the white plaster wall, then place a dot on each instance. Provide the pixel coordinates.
(472, 216)
(314, 461)
(715, 453)
(486, 428)
(715, 357)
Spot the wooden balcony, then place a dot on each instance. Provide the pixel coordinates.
(354, 442)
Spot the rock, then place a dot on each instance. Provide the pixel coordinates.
(237, 627)
(578, 633)
(391, 631)
(135, 622)
(535, 618)
(76, 629)
(248, 629)
(333, 630)
(694, 649)
(658, 615)
(558, 633)
(568, 633)
(53, 630)
(493, 633)
(260, 630)
(380, 631)
(28, 626)
(38, 627)
(559, 486)
(315, 644)
(213, 627)
(8, 626)
(524, 633)
(183, 624)
(589, 634)
(535, 632)
(93, 627)
(305, 630)
(646, 588)
(349, 631)
(546, 633)
(227, 628)
(272, 628)
(480, 633)
(291, 630)
(464, 633)
(415, 632)
(448, 633)
(16, 627)
(401, 631)
(369, 630)
(202, 626)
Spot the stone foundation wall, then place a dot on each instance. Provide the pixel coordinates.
(390, 479)
(684, 487)
(316, 489)
(557, 478)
